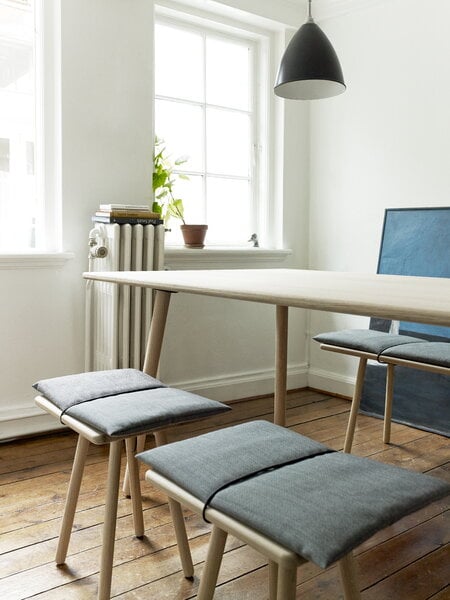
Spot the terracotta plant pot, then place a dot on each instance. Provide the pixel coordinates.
(194, 235)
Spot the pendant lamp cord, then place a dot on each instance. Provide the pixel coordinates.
(310, 19)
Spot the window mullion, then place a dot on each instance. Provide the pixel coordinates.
(205, 134)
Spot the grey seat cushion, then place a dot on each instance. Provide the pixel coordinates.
(143, 411)
(69, 390)
(228, 454)
(321, 508)
(125, 402)
(365, 340)
(432, 353)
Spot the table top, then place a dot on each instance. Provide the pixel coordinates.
(398, 297)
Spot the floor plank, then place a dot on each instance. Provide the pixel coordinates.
(407, 561)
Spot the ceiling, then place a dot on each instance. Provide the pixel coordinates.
(325, 9)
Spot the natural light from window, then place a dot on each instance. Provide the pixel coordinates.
(205, 110)
(18, 201)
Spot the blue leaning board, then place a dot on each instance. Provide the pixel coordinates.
(415, 241)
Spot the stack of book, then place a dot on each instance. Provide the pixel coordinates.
(127, 213)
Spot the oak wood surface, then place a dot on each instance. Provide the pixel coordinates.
(407, 561)
(398, 297)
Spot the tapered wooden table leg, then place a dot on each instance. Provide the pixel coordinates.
(281, 365)
(156, 333)
(152, 354)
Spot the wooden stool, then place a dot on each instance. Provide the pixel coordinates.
(365, 344)
(109, 407)
(287, 496)
(390, 349)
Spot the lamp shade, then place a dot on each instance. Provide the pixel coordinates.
(310, 68)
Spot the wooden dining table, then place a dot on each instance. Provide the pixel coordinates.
(395, 297)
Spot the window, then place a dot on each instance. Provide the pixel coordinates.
(18, 208)
(27, 223)
(209, 101)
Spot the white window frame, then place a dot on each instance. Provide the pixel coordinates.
(264, 199)
(48, 124)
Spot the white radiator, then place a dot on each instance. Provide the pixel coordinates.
(118, 316)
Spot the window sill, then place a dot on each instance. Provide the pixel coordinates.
(179, 257)
(34, 260)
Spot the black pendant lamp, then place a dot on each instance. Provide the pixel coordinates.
(310, 68)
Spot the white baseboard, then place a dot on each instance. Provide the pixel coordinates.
(244, 385)
(16, 423)
(331, 382)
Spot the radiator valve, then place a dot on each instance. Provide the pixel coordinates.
(97, 249)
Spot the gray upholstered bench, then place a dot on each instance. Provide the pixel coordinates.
(392, 349)
(289, 497)
(108, 407)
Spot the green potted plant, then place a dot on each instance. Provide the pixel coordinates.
(165, 203)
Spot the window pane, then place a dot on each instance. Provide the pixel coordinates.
(17, 126)
(227, 73)
(4, 155)
(181, 127)
(178, 63)
(191, 192)
(229, 206)
(228, 142)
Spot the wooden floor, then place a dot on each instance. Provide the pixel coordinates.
(408, 561)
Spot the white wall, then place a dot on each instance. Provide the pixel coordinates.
(106, 156)
(385, 143)
(218, 348)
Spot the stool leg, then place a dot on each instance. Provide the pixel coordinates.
(273, 580)
(179, 526)
(71, 500)
(287, 582)
(355, 405)
(388, 403)
(178, 522)
(140, 444)
(213, 560)
(109, 527)
(135, 487)
(349, 577)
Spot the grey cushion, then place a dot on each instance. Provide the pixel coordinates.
(138, 412)
(225, 455)
(125, 402)
(69, 390)
(365, 340)
(321, 507)
(432, 353)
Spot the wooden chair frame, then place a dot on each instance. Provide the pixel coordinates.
(283, 563)
(88, 435)
(391, 363)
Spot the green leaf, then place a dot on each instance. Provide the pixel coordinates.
(163, 181)
(157, 208)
